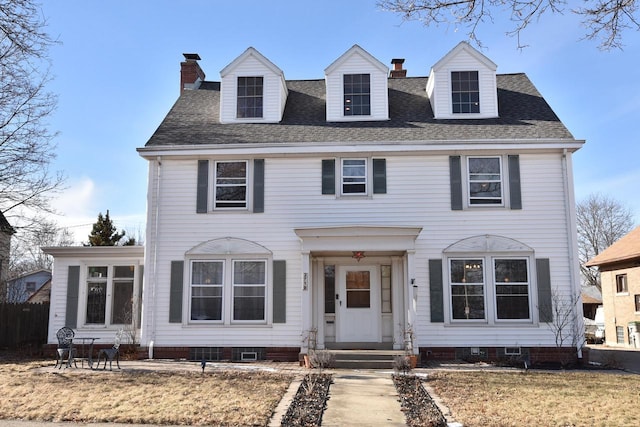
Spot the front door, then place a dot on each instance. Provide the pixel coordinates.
(358, 304)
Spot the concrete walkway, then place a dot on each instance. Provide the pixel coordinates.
(362, 398)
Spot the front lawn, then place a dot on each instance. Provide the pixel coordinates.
(229, 398)
(572, 398)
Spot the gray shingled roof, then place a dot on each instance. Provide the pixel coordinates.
(524, 114)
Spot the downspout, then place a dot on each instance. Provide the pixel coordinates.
(155, 257)
(570, 207)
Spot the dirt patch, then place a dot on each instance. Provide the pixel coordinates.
(418, 406)
(309, 403)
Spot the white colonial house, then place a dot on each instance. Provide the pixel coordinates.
(365, 209)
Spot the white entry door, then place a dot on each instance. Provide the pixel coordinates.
(358, 304)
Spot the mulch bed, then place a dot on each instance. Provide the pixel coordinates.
(418, 407)
(308, 404)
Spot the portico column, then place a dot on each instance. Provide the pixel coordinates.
(411, 299)
(306, 303)
(318, 276)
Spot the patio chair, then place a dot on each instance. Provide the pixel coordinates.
(111, 353)
(65, 350)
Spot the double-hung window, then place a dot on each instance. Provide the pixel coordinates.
(621, 284)
(475, 281)
(250, 92)
(207, 290)
(354, 176)
(357, 94)
(228, 290)
(485, 181)
(465, 92)
(231, 183)
(467, 289)
(249, 290)
(511, 278)
(109, 295)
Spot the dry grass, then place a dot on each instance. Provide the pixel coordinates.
(540, 399)
(227, 398)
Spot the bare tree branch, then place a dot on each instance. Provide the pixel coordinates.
(605, 20)
(26, 143)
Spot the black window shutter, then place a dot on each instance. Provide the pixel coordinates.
(455, 174)
(279, 291)
(436, 294)
(379, 176)
(203, 186)
(73, 288)
(329, 176)
(258, 185)
(514, 182)
(545, 303)
(175, 292)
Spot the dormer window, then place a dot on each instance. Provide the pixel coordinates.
(250, 91)
(357, 94)
(458, 81)
(465, 92)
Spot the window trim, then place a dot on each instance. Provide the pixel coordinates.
(527, 284)
(502, 181)
(248, 185)
(622, 284)
(452, 92)
(366, 176)
(228, 289)
(191, 286)
(345, 101)
(261, 97)
(83, 293)
(234, 286)
(490, 289)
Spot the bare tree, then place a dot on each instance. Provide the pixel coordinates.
(26, 144)
(26, 254)
(604, 20)
(567, 327)
(601, 221)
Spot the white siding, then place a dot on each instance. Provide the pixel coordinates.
(356, 64)
(417, 195)
(274, 95)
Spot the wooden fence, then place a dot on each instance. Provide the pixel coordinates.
(23, 326)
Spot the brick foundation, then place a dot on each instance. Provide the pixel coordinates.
(533, 356)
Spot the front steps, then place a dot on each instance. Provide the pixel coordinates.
(364, 359)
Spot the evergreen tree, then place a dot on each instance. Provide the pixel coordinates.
(104, 233)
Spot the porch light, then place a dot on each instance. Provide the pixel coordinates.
(358, 255)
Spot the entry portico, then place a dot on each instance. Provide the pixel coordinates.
(357, 286)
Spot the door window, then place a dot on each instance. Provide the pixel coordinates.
(358, 289)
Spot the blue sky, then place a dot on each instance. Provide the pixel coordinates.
(117, 75)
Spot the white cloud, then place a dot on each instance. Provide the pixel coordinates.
(80, 204)
(76, 208)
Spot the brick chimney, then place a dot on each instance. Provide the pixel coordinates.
(190, 71)
(397, 71)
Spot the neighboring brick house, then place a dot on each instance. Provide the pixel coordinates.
(619, 267)
(363, 209)
(6, 231)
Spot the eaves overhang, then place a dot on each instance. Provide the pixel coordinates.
(397, 147)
